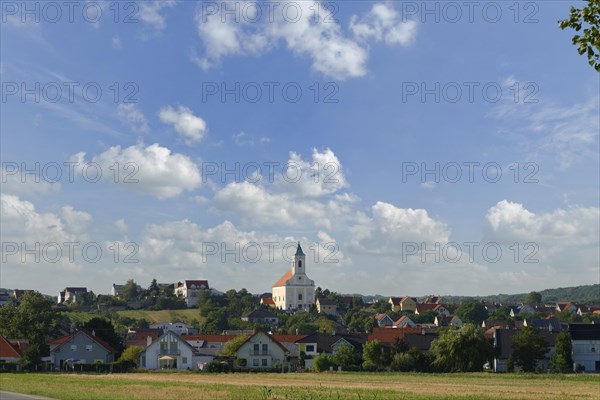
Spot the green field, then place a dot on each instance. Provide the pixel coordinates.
(347, 385)
(152, 316)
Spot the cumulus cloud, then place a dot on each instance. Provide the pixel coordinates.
(152, 170)
(150, 12)
(383, 23)
(191, 127)
(319, 38)
(16, 181)
(246, 139)
(134, 118)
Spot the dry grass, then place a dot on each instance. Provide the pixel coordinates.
(305, 386)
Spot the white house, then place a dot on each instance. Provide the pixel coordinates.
(189, 290)
(262, 351)
(169, 351)
(586, 345)
(294, 290)
(179, 328)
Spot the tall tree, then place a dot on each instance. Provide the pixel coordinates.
(528, 348)
(472, 311)
(562, 360)
(533, 298)
(588, 18)
(461, 350)
(374, 355)
(130, 291)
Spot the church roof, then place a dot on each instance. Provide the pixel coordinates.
(281, 282)
(299, 251)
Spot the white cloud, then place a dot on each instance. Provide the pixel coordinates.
(383, 23)
(184, 121)
(152, 170)
(388, 227)
(116, 42)
(133, 117)
(17, 182)
(149, 12)
(322, 40)
(246, 139)
(121, 225)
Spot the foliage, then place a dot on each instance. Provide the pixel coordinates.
(426, 317)
(382, 306)
(32, 357)
(322, 363)
(533, 298)
(217, 366)
(232, 346)
(374, 355)
(502, 313)
(472, 312)
(528, 348)
(346, 356)
(510, 364)
(461, 350)
(585, 294)
(105, 330)
(131, 355)
(589, 42)
(562, 361)
(130, 291)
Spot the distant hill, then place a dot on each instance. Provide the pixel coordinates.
(586, 294)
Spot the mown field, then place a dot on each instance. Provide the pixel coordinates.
(304, 386)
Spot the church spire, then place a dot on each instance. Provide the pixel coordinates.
(299, 251)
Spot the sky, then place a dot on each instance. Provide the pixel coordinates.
(412, 148)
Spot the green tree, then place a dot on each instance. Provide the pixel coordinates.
(322, 363)
(588, 18)
(461, 350)
(130, 291)
(132, 355)
(32, 357)
(533, 298)
(562, 361)
(346, 356)
(499, 314)
(382, 306)
(510, 364)
(374, 356)
(528, 348)
(472, 311)
(231, 347)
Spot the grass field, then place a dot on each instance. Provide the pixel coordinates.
(304, 386)
(152, 316)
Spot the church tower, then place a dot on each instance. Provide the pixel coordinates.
(299, 262)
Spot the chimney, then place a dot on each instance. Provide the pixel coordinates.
(148, 340)
(423, 332)
(93, 333)
(297, 331)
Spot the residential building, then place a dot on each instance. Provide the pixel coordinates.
(169, 351)
(179, 328)
(18, 293)
(586, 345)
(261, 350)
(405, 303)
(326, 306)
(4, 297)
(325, 343)
(438, 308)
(116, 289)
(267, 301)
(566, 306)
(404, 322)
(453, 320)
(502, 339)
(82, 346)
(71, 294)
(260, 316)
(295, 290)
(141, 337)
(11, 350)
(383, 320)
(189, 290)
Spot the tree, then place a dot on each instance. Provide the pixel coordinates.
(562, 361)
(32, 357)
(528, 348)
(472, 311)
(533, 298)
(231, 347)
(132, 355)
(130, 291)
(510, 364)
(346, 356)
(382, 306)
(322, 363)
(589, 42)
(105, 330)
(374, 356)
(461, 350)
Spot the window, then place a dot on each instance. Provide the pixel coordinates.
(256, 348)
(310, 347)
(255, 362)
(264, 362)
(184, 360)
(88, 347)
(299, 296)
(265, 348)
(300, 264)
(74, 347)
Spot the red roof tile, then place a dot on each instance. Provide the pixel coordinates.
(283, 279)
(7, 349)
(210, 338)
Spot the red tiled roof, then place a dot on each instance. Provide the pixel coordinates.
(427, 307)
(210, 338)
(101, 342)
(283, 279)
(379, 317)
(7, 349)
(267, 300)
(288, 338)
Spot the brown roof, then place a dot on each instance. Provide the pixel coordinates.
(389, 335)
(283, 279)
(427, 307)
(7, 349)
(210, 338)
(59, 341)
(198, 283)
(288, 338)
(395, 300)
(267, 300)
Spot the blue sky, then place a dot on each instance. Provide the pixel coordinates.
(168, 116)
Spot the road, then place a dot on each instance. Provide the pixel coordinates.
(18, 396)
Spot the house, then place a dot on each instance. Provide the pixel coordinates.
(384, 320)
(404, 322)
(583, 310)
(261, 350)
(527, 309)
(295, 290)
(452, 320)
(502, 339)
(551, 324)
(433, 300)
(116, 290)
(11, 350)
(326, 306)
(389, 336)
(586, 345)
(403, 303)
(18, 294)
(565, 306)
(4, 297)
(141, 337)
(82, 346)
(347, 301)
(169, 351)
(267, 301)
(179, 328)
(260, 316)
(438, 308)
(189, 290)
(325, 343)
(71, 294)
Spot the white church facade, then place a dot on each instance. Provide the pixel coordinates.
(295, 290)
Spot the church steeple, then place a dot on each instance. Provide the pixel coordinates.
(299, 261)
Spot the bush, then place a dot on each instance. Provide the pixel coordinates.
(403, 362)
(217, 366)
(323, 363)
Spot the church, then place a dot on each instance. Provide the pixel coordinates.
(294, 290)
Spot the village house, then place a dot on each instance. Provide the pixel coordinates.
(179, 328)
(325, 343)
(267, 301)
(260, 316)
(404, 322)
(383, 320)
(405, 303)
(261, 350)
(295, 290)
(452, 320)
(438, 308)
(80, 347)
(189, 290)
(586, 345)
(502, 339)
(326, 306)
(168, 351)
(11, 350)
